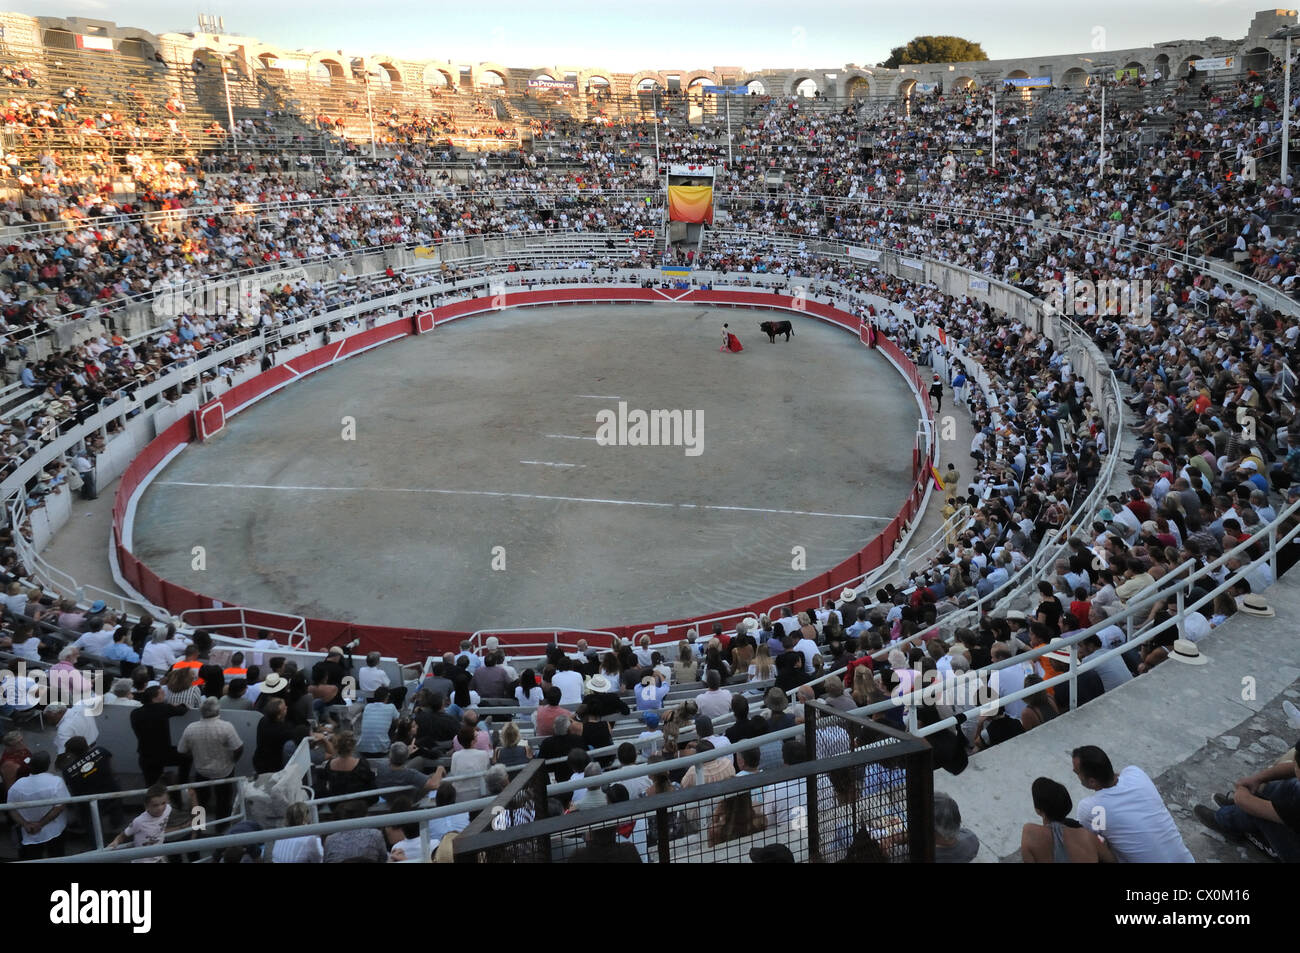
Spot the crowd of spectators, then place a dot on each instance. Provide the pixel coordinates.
(1209, 366)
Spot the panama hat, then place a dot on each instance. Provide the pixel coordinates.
(274, 684)
(597, 684)
(1185, 651)
(848, 595)
(1255, 605)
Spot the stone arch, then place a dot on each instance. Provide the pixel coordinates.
(802, 84)
(963, 82)
(326, 68)
(640, 78)
(692, 78)
(1075, 78)
(906, 88)
(1018, 74)
(857, 86)
(387, 65)
(1258, 59)
(756, 87)
(596, 80)
(438, 76)
(137, 46)
(1162, 64)
(1134, 64)
(1187, 62)
(490, 76)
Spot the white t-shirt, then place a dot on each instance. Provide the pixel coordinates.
(158, 656)
(570, 686)
(1134, 820)
(40, 787)
(1006, 681)
(149, 831)
(298, 850)
(77, 720)
(809, 648)
(369, 678)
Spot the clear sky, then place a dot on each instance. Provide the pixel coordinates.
(625, 36)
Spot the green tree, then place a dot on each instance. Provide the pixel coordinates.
(935, 49)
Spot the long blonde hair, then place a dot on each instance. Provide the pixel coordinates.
(763, 664)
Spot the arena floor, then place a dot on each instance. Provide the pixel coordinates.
(468, 439)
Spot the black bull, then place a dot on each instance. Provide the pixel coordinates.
(773, 328)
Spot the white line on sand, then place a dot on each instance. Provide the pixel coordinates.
(520, 496)
(567, 436)
(600, 396)
(545, 463)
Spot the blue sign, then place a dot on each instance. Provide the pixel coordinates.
(726, 90)
(1029, 81)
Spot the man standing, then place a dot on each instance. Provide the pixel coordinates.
(215, 747)
(151, 724)
(84, 464)
(43, 827)
(1128, 811)
(936, 393)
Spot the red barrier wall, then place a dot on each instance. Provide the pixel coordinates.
(416, 644)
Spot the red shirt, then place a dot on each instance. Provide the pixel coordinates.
(866, 660)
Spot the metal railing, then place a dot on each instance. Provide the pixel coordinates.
(1174, 585)
(296, 636)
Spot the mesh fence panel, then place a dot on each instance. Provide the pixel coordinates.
(862, 795)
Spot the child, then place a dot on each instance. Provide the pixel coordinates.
(150, 827)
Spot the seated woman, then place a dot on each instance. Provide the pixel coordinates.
(1060, 839)
(345, 772)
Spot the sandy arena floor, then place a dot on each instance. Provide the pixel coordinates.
(481, 435)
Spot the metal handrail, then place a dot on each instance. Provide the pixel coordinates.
(1161, 591)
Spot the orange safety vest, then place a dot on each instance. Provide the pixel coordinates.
(234, 672)
(195, 665)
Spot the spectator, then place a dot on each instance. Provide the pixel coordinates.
(42, 827)
(953, 844)
(1060, 839)
(1263, 809)
(1127, 811)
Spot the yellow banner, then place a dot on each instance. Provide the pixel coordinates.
(690, 203)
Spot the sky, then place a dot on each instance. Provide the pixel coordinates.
(626, 36)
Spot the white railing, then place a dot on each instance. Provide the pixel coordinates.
(295, 636)
(1174, 586)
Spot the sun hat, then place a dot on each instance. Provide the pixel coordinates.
(597, 684)
(274, 683)
(1185, 651)
(848, 595)
(1255, 605)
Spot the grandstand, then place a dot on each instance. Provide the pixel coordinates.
(1105, 310)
